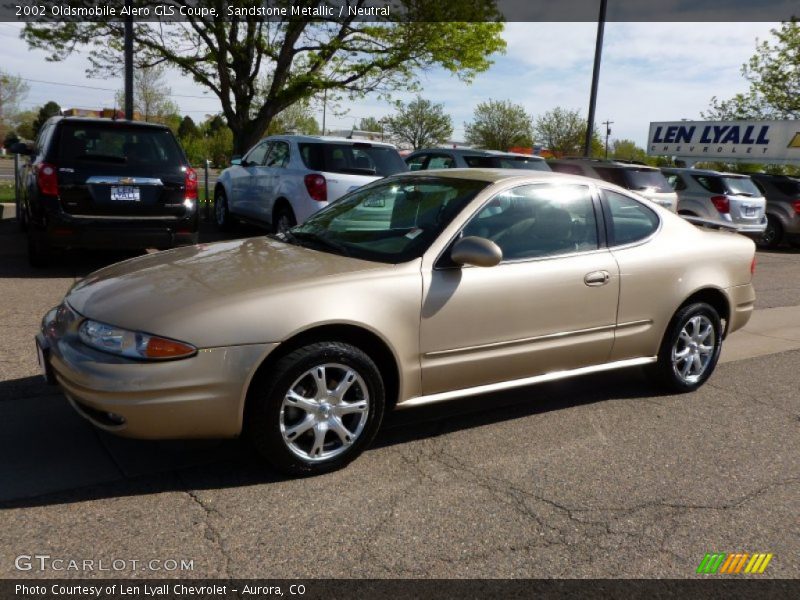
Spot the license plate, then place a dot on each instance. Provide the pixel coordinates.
(749, 211)
(125, 193)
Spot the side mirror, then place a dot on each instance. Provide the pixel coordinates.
(236, 161)
(476, 251)
(21, 148)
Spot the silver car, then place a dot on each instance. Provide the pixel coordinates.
(729, 198)
(285, 179)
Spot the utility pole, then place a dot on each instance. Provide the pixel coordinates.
(598, 52)
(324, 107)
(608, 133)
(129, 62)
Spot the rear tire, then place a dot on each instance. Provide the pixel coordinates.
(316, 409)
(690, 349)
(283, 219)
(222, 216)
(773, 234)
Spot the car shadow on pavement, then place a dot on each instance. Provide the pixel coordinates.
(52, 456)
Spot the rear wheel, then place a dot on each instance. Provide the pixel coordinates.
(690, 349)
(317, 409)
(283, 219)
(772, 235)
(222, 216)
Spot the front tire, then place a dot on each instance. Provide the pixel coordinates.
(283, 219)
(690, 349)
(317, 409)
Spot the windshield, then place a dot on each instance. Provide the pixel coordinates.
(646, 179)
(741, 186)
(357, 159)
(388, 221)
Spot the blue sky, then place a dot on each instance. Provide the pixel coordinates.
(650, 72)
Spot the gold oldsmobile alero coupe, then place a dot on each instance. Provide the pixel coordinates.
(417, 288)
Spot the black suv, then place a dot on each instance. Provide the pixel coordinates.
(101, 183)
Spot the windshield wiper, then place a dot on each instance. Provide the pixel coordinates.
(318, 240)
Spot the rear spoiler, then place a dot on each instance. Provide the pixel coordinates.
(700, 222)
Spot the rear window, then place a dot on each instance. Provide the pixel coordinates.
(89, 143)
(644, 179)
(357, 159)
(740, 186)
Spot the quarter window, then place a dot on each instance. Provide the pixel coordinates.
(631, 221)
(538, 221)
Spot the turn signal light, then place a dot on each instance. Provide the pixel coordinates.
(161, 348)
(317, 187)
(47, 179)
(796, 206)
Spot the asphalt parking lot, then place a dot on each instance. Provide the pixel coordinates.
(597, 477)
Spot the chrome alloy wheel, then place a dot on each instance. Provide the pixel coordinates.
(324, 412)
(694, 348)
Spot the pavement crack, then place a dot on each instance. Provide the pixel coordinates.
(212, 534)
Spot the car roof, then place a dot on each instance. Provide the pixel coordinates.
(494, 175)
(111, 122)
(707, 172)
(458, 151)
(514, 154)
(321, 139)
(604, 163)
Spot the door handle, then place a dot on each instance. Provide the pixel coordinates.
(597, 278)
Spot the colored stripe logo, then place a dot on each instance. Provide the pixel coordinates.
(734, 563)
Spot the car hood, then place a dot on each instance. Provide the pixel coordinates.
(158, 292)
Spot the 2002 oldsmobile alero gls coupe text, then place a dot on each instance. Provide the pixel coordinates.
(414, 289)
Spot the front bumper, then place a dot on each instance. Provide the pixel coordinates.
(197, 397)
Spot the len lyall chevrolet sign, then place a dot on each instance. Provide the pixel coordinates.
(757, 141)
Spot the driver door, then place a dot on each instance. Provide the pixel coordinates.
(550, 305)
(244, 182)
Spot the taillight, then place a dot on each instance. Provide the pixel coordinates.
(47, 179)
(753, 266)
(317, 187)
(190, 181)
(796, 206)
(722, 204)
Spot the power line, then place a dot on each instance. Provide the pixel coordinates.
(104, 89)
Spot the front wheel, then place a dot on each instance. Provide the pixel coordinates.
(284, 219)
(317, 409)
(222, 216)
(690, 349)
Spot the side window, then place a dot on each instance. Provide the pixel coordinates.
(416, 163)
(675, 182)
(631, 221)
(40, 145)
(257, 155)
(278, 155)
(538, 220)
(441, 161)
(568, 169)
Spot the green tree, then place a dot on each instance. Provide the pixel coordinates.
(371, 124)
(419, 124)
(24, 124)
(627, 150)
(151, 95)
(774, 76)
(298, 118)
(304, 57)
(51, 109)
(563, 132)
(13, 90)
(187, 129)
(499, 125)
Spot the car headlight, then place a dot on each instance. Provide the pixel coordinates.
(132, 344)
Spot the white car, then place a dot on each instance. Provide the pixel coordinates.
(642, 179)
(285, 179)
(729, 198)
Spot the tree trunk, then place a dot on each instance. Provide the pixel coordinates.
(247, 134)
